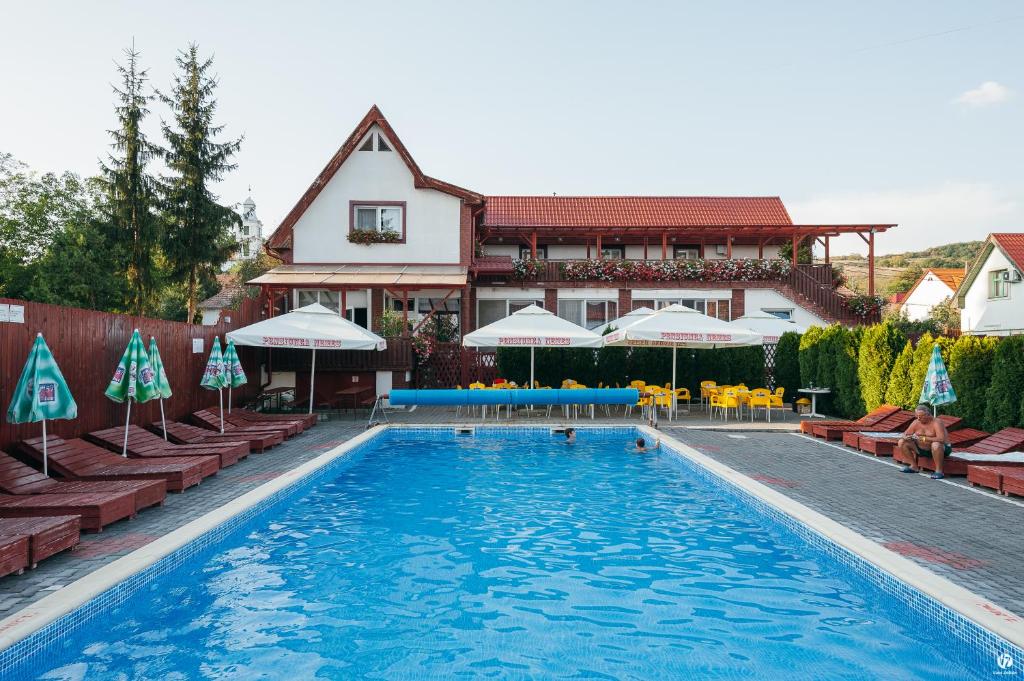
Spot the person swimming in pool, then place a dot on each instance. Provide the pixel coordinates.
(643, 446)
(926, 436)
(570, 436)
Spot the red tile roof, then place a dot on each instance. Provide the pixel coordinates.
(1013, 246)
(630, 211)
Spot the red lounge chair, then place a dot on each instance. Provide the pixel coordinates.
(992, 447)
(19, 478)
(13, 554)
(184, 433)
(866, 421)
(208, 419)
(98, 509)
(145, 445)
(898, 420)
(46, 536)
(883, 446)
(987, 476)
(305, 420)
(83, 460)
(1013, 481)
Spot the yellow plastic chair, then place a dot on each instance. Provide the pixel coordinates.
(760, 397)
(639, 385)
(730, 400)
(777, 400)
(683, 395)
(477, 386)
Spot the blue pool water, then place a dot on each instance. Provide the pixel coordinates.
(509, 558)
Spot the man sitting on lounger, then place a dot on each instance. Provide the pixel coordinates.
(926, 436)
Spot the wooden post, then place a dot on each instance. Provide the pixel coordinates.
(728, 246)
(796, 245)
(827, 260)
(701, 253)
(533, 245)
(405, 313)
(871, 262)
(588, 248)
(760, 248)
(645, 248)
(664, 245)
(600, 255)
(344, 303)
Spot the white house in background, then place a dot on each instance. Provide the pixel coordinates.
(991, 297)
(248, 234)
(935, 286)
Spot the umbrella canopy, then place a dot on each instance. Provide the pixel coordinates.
(768, 325)
(628, 318)
(134, 378)
(214, 375)
(236, 375)
(532, 327)
(682, 327)
(310, 327)
(163, 386)
(937, 388)
(41, 393)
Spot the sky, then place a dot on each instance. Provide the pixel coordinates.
(865, 112)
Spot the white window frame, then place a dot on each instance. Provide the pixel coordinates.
(583, 304)
(998, 284)
(539, 302)
(378, 217)
(688, 252)
(318, 300)
(774, 311)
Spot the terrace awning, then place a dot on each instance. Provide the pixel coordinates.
(362, 276)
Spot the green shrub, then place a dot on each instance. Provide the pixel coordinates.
(848, 400)
(900, 389)
(787, 364)
(610, 365)
(830, 345)
(809, 355)
(919, 367)
(970, 371)
(1002, 403)
(513, 364)
(879, 346)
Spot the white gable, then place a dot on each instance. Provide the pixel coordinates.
(928, 293)
(993, 316)
(431, 217)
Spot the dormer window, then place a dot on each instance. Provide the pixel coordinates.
(375, 141)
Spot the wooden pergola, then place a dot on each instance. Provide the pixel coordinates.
(653, 237)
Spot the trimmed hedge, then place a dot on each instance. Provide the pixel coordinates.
(900, 390)
(787, 364)
(849, 401)
(879, 347)
(1003, 398)
(970, 371)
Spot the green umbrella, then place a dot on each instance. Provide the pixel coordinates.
(937, 388)
(215, 377)
(159, 378)
(133, 380)
(42, 392)
(233, 367)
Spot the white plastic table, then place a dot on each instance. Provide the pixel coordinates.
(814, 392)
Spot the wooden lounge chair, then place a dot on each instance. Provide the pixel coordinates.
(865, 422)
(208, 419)
(305, 420)
(46, 536)
(13, 554)
(986, 452)
(295, 426)
(185, 433)
(145, 445)
(83, 460)
(879, 444)
(97, 509)
(896, 421)
(19, 478)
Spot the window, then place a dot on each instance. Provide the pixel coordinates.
(382, 145)
(613, 252)
(713, 308)
(245, 249)
(490, 311)
(686, 252)
(329, 299)
(593, 314)
(640, 302)
(781, 314)
(542, 252)
(388, 217)
(998, 286)
(245, 230)
(367, 145)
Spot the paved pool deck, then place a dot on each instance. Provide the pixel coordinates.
(968, 536)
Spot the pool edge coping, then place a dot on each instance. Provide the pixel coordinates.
(66, 600)
(974, 607)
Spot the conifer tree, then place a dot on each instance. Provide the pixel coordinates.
(197, 240)
(900, 391)
(132, 224)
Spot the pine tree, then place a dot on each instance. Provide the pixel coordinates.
(197, 241)
(900, 390)
(132, 223)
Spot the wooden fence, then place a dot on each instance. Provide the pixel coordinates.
(88, 345)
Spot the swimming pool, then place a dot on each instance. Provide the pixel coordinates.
(509, 555)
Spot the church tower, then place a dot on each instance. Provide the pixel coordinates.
(249, 233)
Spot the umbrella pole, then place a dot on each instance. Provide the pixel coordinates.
(220, 398)
(127, 418)
(229, 399)
(672, 413)
(531, 367)
(163, 419)
(45, 472)
(312, 373)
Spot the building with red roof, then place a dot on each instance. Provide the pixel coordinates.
(991, 296)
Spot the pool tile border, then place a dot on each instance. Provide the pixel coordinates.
(986, 630)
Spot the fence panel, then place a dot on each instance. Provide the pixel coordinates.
(87, 346)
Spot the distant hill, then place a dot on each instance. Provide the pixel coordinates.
(897, 272)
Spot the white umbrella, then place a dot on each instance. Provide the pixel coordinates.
(677, 326)
(628, 318)
(311, 327)
(768, 325)
(532, 327)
